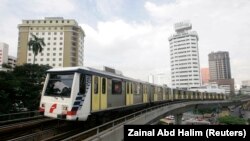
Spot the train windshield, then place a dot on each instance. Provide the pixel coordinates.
(59, 85)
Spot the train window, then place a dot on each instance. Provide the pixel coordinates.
(160, 91)
(131, 88)
(127, 87)
(155, 90)
(95, 85)
(59, 84)
(82, 84)
(116, 87)
(152, 89)
(103, 85)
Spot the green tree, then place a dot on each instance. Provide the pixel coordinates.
(36, 45)
(5, 65)
(31, 78)
(9, 87)
(232, 120)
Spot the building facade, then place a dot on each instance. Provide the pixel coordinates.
(184, 53)
(12, 61)
(4, 50)
(64, 41)
(220, 70)
(159, 78)
(219, 65)
(246, 83)
(205, 76)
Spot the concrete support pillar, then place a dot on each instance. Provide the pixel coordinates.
(178, 118)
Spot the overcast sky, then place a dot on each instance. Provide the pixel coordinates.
(132, 35)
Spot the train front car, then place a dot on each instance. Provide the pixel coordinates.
(65, 94)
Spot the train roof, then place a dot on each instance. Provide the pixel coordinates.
(93, 70)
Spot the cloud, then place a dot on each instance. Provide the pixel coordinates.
(136, 49)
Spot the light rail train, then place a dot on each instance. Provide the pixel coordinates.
(75, 93)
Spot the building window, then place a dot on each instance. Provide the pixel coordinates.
(47, 59)
(48, 43)
(54, 48)
(54, 59)
(60, 54)
(54, 54)
(48, 54)
(60, 59)
(54, 38)
(55, 33)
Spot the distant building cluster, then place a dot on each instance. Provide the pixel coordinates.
(159, 79)
(5, 58)
(185, 65)
(245, 87)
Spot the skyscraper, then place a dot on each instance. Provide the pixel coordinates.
(184, 53)
(220, 70)
(64, 41)
(219, 65)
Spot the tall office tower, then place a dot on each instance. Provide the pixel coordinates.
(4, 49)
(220, 70)
(205, 75)
(64, 41)
(184, 53)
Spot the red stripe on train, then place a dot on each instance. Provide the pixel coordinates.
(71, 113)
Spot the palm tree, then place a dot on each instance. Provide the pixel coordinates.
(36, 45)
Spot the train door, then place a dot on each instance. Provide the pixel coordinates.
(95, 93)
(145, 95)
(128, 93)
(131, 94)
(103, 95)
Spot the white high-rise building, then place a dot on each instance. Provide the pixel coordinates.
(4, 49)
(184, 53)
(64, 40)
